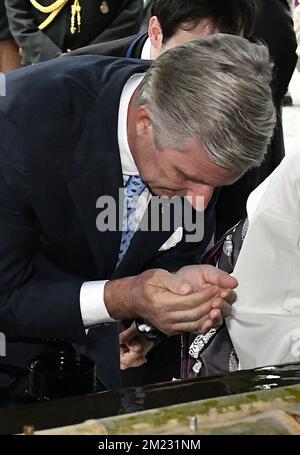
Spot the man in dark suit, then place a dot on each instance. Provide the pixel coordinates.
(86, 127)
(93, 21)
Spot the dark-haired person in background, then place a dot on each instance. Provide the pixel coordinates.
(174, 22)
(46, 29)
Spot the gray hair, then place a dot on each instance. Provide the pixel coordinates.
(215, 91)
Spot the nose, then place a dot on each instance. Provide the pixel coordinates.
(200, 196)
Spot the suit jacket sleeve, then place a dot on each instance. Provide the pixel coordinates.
(126, 23)
(29, 306)
(36, 45)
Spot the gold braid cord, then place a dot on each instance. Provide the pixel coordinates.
(54, 9)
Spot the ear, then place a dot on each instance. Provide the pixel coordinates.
(143, 122)
(155, 36)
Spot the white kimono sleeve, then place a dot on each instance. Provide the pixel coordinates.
(265, 321)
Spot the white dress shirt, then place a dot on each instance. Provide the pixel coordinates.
(265, 321)
(92, 305)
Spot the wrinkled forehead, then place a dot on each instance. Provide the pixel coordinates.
(196, 166)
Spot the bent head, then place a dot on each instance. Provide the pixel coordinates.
(175, 22)
(188, 138)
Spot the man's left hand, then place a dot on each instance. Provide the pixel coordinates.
(133, 348)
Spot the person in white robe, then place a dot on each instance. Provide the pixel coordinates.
(265, 321)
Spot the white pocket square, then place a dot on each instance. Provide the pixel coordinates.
(175, 238)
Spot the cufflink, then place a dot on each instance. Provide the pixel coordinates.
(104, 8)
(148, 331)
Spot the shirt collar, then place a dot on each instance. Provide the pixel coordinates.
(127, 161)
(146, 51)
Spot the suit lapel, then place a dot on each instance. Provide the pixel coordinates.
(98, 173)
(144, 245)
(136, 51)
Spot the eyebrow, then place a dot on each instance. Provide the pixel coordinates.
(201, 182)
(195, 180)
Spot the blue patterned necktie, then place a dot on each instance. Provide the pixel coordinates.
(133, 189)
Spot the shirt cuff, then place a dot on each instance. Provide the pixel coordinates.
(92, 305)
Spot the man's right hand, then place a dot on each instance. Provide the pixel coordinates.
(200, 276)
(165, 300)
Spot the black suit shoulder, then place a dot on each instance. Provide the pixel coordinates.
(61, 87)
(116, 48)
